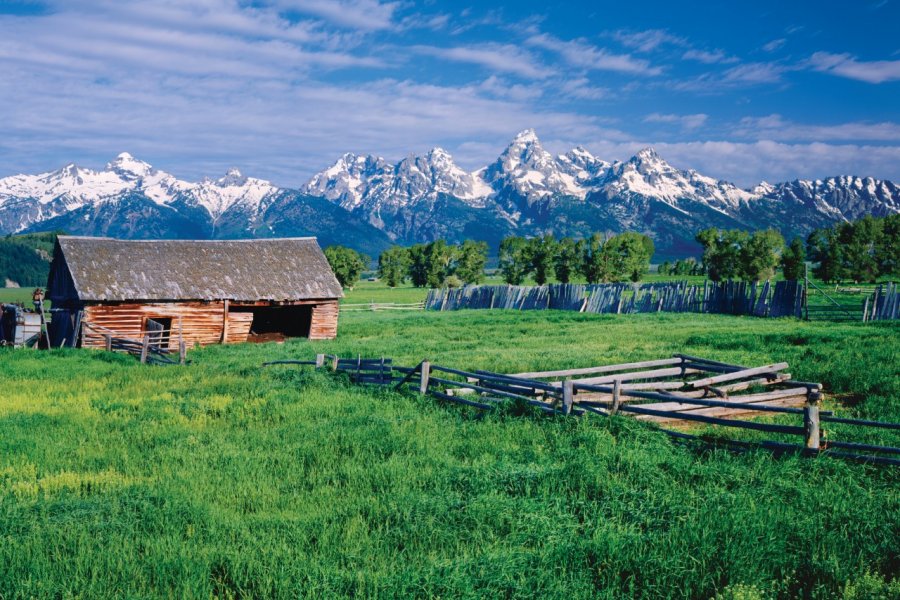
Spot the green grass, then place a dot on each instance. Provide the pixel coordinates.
(229, 480)
(22, 295)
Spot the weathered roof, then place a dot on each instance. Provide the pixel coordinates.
(107, 269)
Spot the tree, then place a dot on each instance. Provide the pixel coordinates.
(440, 257)
(664, 268)
(471, 258)
(596, 262)
(393, 265)
(722, 252)
(541, 255)
(568, 260)
(759, 255)
(513, 260)
(347, 264)
(859, 240)
(793, 259)
(887, 249)
(630, 254)
(418, 265)
(824, 248)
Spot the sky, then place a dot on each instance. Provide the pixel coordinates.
(741, 91)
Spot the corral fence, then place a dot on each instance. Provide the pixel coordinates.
(680, 389)
(784, 298)
(152, 348)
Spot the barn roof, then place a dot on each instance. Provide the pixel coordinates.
(107, 269)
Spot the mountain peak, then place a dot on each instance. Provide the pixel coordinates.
(232, 177)
(127, 166)
(647, 153)
(527, 136)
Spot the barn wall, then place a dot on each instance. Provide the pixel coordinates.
(324, 321)
(199, 322)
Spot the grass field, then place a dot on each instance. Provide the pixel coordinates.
(224, 479)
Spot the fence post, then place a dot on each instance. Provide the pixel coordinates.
(806, 291)
(811, 421)
(334, 362)
(145, 347)
(108, 338)
(568, 395)
(320, 361)
(425, 373)
(617, 395)
(182, 351)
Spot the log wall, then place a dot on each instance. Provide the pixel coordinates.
(324, 321)
(200, 323)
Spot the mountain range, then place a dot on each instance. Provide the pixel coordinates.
(369, 203)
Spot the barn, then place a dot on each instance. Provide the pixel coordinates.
(199, 291)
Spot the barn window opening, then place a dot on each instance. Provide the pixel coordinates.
(274, 323)
(159, 330)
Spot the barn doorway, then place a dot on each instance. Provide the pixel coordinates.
(276, 323)
(159, 331)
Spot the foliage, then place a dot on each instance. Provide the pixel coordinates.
(541, 255)
(224, 479)
(25, 259)
(471, 257)
(393, 265)
(632, 253)
(567, 261)
(760, 255)
(514, 264)
(793, 259)
(860, 251)
(347, 264)
(737, 254)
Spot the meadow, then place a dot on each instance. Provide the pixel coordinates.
(229, 480)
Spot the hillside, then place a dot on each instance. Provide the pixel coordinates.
(25, 259)
(369, 203)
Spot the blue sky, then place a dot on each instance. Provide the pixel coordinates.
(280, 88)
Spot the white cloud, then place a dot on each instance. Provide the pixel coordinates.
(774, 45)
(648, 40)
(687, 122)
(708, 57)
(775, 127)
(504, 58)
(584, 55)
(845, 65)
(355, 14)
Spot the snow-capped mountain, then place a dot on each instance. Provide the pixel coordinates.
(368, 203)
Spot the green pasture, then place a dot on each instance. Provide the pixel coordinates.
(223, 479)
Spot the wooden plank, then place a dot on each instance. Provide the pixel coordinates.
(773, 368)
(676, 410)
(652, 374)
(600, 369)
(786, 429)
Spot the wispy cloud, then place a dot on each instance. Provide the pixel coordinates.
(581, 54)
(709, 57)
(687, 122)
(776, 127)
(774, 45)
(356, 14)
(648, 40)
(504, 58)
(845, 65)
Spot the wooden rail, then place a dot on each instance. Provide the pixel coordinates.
(700, 397)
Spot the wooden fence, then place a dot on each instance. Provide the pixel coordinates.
(373, 306)
(680, 389)
(151, 349)
(784, 298)
(883, 304)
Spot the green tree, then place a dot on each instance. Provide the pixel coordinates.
(513, 260)
(887, 249)
(418, 265)
(630, 254)
(722, 252)
(568, 260)
(823, 248)
(759, 255)
(347, 264)
(471, 257)
(393, 265)
(793, 259)
(541, 255)
(440, 257)
(859, 240)
(598, 262)
(663, 268)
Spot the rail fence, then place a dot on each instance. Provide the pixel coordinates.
(375, 306)
(680, 389)
(151, 349)
(784, 298)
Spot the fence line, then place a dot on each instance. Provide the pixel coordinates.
(785, 298)
(701, 401)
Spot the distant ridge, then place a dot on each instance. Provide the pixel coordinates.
(368, 203)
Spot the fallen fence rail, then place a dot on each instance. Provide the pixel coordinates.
(690, 391)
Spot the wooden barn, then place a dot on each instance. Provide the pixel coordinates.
(201, 292)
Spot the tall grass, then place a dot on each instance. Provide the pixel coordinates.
(225, 479)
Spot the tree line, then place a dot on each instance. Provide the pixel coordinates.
(860, 251)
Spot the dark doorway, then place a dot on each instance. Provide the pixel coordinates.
(274, 323)
(159, 329)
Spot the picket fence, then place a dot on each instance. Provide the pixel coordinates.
(783, 299)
